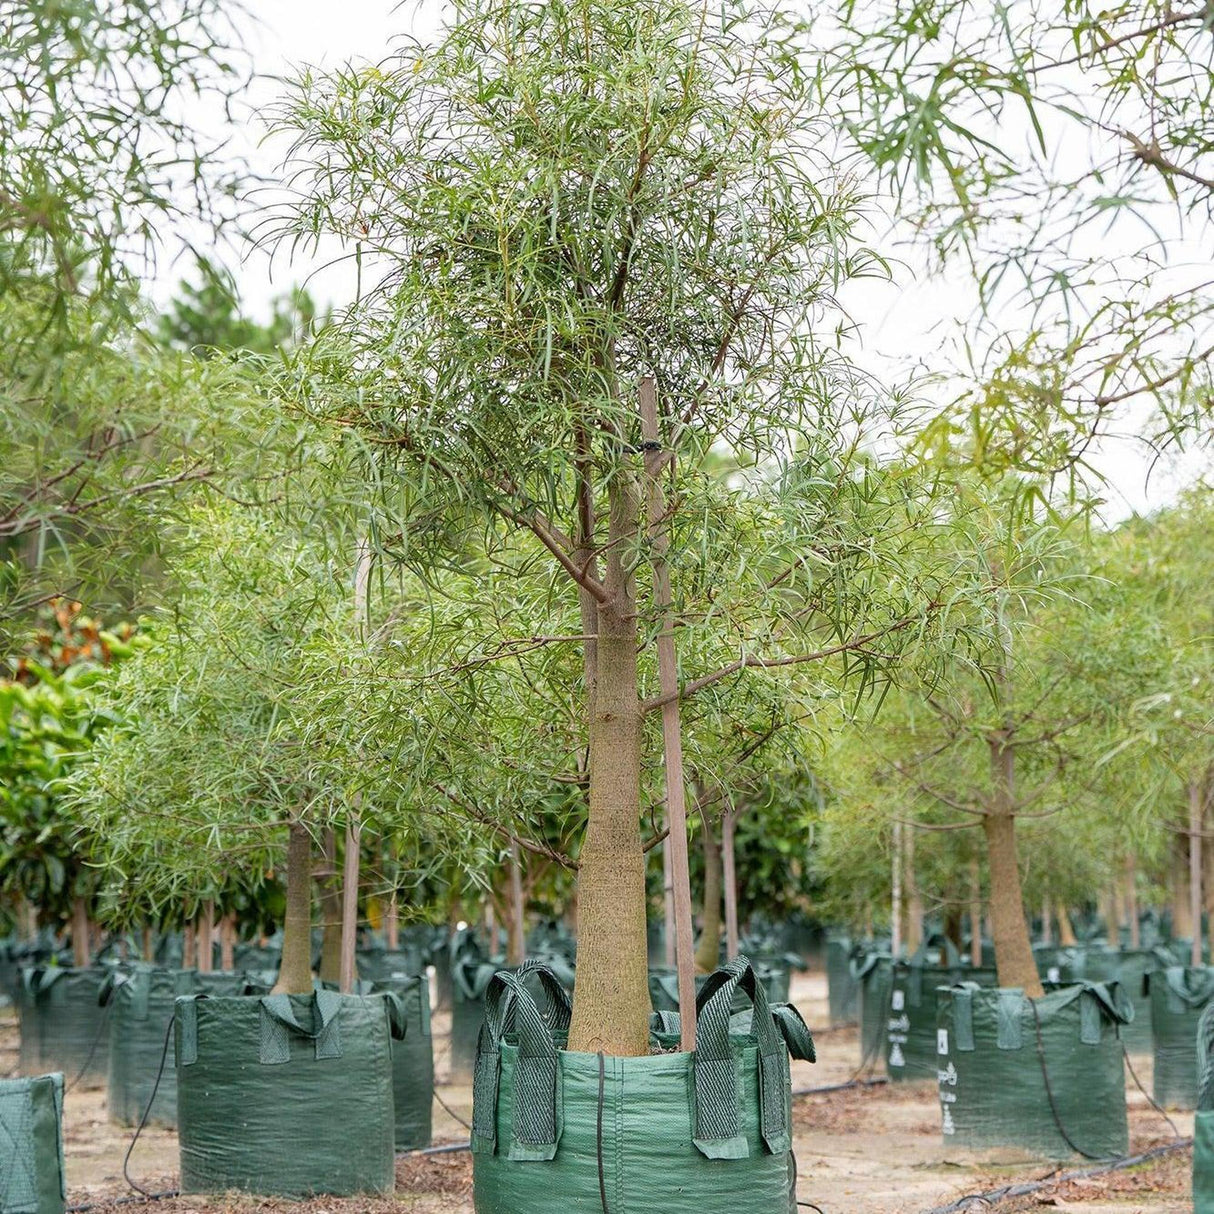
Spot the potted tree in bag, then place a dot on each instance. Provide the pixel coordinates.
(606, 237)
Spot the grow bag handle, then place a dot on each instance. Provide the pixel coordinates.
(279, 1025)
(864, 964)
(39, 978)
(718, 1131)
(1190, 987)
(511, 1010)
(952, 958)
(398, 1010)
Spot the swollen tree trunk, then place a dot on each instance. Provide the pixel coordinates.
(516, 935)
(295, 971)
(611, 997)
(80, 933)
(1013, 947)
(709, 951)
(330, 911)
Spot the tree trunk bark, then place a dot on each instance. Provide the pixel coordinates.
(1196, 814)
(295, 970)
(227, 943)
(975, 911)
(516, 934)
(729, 875)
(206, 938)
(611, 996)
(1013, 946)
(80, 933)
(708, 954)
(149, 949)
(1047, 933)
(1131, 899)
(330, 911)
(189, 954)
(1066, 931)
(895, 914)
(392, 923)
(349, 908)
(668, 941)
(1178, 883)
(914, 896)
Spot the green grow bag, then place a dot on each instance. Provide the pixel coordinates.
(841, 990)
(31, 1145)
(1061, 966)
(996, 1048)
(1203, 1119)
(142, 999)
(1130, 968)
(874, 973)
(664, 986)
(554, 1131)
(288, 1095)
(1179, 994)
(910, 1042)
(397, 965)
(412, 1057)
(64, 1026)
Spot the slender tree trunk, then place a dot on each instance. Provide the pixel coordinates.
(914, 896)
(1178, 882)
(668, 940)
(330, 911)
(611, 996)
(227, 943)
(895, 926)
(189, 954)
(1046, 930)
(975, 911)
(80, 933)
(295, 970)
(1013, 946)
(206, 938)
(349, 908)
(516, 933)
(1066, 931)
(1107, 909)
(729, 876)
(1131, 899)
(392, 923)
(708, 954)
(1196, 813)
(149, 948)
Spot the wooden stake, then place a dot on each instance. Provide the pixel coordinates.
(349, 907)
(668, 681)
(227, 942)
(1195, 876)
(730, 878)
(668, 898)
(392, 924)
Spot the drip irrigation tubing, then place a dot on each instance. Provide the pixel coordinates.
(879, 1082)
(992, 1197)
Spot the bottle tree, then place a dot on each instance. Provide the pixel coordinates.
(553, 206)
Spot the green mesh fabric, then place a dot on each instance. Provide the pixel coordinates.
(31, 1145)
(842, 991)
(874, 975)
(1179, 995)
(320, 1122)
(992, 1087)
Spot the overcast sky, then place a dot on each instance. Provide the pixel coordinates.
(911, 319)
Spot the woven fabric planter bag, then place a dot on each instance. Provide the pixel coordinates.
(555, 1131)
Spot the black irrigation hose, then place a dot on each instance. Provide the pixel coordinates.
(102, 1028)
(1150, 1099)
(1025, 1188)
(879, 1082)
(451, 1111)
(147, 1112)
(599, 1136)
